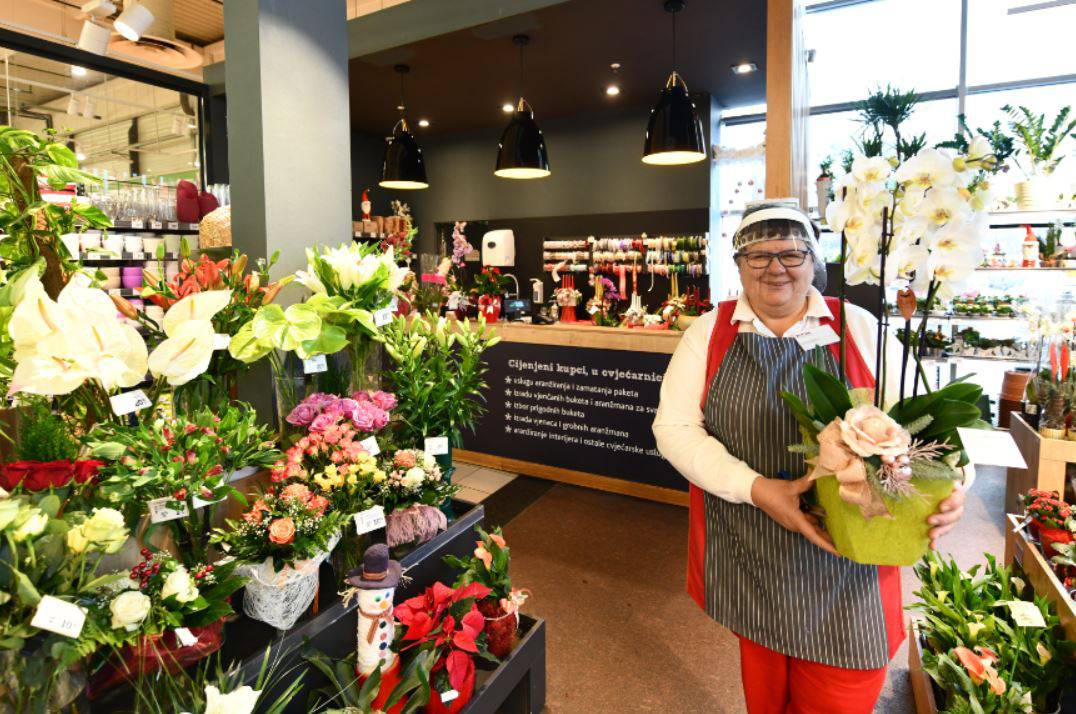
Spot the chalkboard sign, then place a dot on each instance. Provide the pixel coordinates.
(587, 410)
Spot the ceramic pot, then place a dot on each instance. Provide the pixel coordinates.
(1051, 536)
(1034, 194)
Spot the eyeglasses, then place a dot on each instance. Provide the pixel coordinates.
(760, 260)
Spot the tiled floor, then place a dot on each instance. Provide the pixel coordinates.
(477, 482)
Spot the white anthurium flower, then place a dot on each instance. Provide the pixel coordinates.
(238, 701)
(184, 355)
(197, 306)
(92, 301)
(875, 169)
(943, 205)
(122, 359)
(930, 168)
(310, 280)
(39, 322)
(367, 269)
(48, 375)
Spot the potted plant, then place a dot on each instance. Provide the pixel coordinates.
(1042, 150)
(436, 371)
(489, 566)
(1050, 250)
(139, 619)
(1049, 519)
(446, 621)
(412, 494)
(281, 540)
(823, 185)
(489, 287)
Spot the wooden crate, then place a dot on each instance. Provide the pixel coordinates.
(921, 687)
(1021, 550)
(1046, 462)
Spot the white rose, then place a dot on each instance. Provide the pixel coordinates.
(77, 541)
(106, 529)
(129, 609)
(34, 524)
(240, 701)
(428, 462)
(180, 584)
(414, 476)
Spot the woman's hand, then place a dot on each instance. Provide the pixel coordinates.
(780, 500)
(949, 512)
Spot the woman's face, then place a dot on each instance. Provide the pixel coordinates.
(776, 289)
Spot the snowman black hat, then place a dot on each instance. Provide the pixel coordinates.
(378, 571)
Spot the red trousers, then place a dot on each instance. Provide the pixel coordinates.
(774, 683)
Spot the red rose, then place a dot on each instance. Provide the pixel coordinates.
(12, 474)
(49, 474)
(86, 469)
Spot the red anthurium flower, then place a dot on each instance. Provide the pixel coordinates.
(460, 668)
(975, 666)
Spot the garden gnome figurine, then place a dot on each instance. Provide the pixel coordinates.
(376, 582)
(365, 206)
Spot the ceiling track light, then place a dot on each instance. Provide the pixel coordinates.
(746, 67)
(93, 38)
(522, 153)
(134, 20)
(99, 8)
(674, 131)
(404, 166)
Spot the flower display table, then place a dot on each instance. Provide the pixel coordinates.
(1025, 553)
(922, 687)
(1046, 460)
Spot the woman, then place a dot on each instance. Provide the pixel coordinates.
(816, 630)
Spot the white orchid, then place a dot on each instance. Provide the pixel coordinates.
(875, 169)
(930, 168)
(943, 205)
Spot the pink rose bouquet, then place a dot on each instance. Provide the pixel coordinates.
(367, 411)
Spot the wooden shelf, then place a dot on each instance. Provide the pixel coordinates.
(1025, 553)
(1046, 460)
(155, 226)
(922, 687)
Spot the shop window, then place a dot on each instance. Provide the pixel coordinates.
(1004, 47)
(859, 46)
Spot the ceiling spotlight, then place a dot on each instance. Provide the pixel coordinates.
(134, 20)
(423, 123)
(93, 38)
(77, 71)
(612, 90)
(99, 8)
(79, 153)
(744, 68)
(508, 108)
(72, 105)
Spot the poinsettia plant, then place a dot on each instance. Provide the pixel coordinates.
(446, 620)
(287, 525)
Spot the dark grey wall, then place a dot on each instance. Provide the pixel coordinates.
(596, 169)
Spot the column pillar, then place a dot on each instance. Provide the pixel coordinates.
(786, 101)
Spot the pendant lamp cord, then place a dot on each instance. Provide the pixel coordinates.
(521, 73)
(674, 41)
(403, 104)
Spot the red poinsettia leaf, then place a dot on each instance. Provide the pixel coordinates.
(475, 590)
(441, 594)
(460, 669)
(464, 640)
(419, 627)
(473, 622)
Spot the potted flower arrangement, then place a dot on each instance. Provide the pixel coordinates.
(281, 540)
(489, 567)
(823, 185)
(412, 493)
(1050, 519)
(47, 453)
(174, 471)
(1042, 149)
(567, 298)
(490, 286)
(446, 621)
(140, 619)
(437, 374)
(602, 307)
(47, 555)
(247, 292)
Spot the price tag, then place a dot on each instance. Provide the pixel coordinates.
(129, 402)
(369, 520)
(370, 444)
(990, 446)
(159, 511)
(315, 365)
(173, 226)
(394, 304)
(436, 445)
(137, 225)
(138, 256)
(201, 503)
(115, 291)
(220, 342)
(59, 616)
(186, 637)
(383, 316)
(818, 337)
(454, 301)
(156, 225)
(592, 309)
(1026, 614)
(450, 695)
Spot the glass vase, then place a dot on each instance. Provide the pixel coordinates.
(365, 360)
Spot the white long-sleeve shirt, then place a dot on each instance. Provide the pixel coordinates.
(679, 426)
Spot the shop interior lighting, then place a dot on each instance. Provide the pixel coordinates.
(134, 20)
(72, 105)
(99, 8)
(88, 108)
(93, 38)
(423, 123)
(404, 166)
(508, 107)
(79, 154)
(674, 132)
(522, 152)
(744, 68)
(77, 71)
(613, 89)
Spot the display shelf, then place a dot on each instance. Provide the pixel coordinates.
(922, 684)
(992, 269)
(94, 257)
(1046, 461)
(155, 226)
(1023, 551)
(1035, 219)
(358, 235)
(963, 318)
(124, 292)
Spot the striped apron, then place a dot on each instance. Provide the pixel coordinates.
(764, 582)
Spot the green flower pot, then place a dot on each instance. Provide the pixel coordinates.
(900, 540)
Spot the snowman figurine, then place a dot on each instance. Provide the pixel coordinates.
(376, 582)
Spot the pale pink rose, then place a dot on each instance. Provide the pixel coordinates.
(869, 431)
(322, 422)
(833, 454)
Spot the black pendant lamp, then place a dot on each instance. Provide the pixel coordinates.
(404, 167)
(674, 133)
(522, 153)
